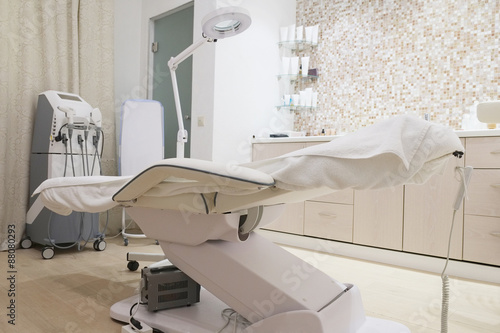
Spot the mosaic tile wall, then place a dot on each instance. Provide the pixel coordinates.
(383, 58)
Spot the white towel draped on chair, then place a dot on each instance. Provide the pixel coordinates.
(400, 150)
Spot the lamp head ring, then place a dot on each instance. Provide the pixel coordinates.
(225, 22)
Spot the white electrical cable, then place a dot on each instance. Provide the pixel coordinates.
(465, 174)
(132, 321)
(445, 298)
(70, 135)
(230, 314)
(65, 157)
(86, 136)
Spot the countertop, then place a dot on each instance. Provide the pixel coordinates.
(460, 133)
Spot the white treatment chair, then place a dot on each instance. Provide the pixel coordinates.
(203, 215)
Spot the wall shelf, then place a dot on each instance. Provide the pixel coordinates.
(297, 45)
(293, 77)
(296, 107)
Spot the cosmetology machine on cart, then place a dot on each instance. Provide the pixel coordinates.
(67, 142)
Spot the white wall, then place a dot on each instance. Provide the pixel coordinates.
(235, 87)
(127, 37)
(246, 86)
(202, 104)
(127, 54)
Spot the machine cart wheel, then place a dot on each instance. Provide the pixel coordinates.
(99, 245)
(48, 252)
(133, 265)
(26, 243)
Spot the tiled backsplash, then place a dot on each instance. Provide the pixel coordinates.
(383, 58)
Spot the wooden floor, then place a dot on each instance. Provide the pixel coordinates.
(72, 292)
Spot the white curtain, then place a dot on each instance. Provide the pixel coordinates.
(64, 45)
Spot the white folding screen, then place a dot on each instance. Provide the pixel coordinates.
(141, 135)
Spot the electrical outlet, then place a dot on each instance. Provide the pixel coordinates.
(201, 121)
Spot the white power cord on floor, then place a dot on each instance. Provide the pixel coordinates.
(231, 315)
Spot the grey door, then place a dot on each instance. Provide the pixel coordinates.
(173, 33)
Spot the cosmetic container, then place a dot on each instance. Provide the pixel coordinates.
(309, 33)
(285, 65)
(305, 66)
(294, 65)
(288, 100)
(283, 34)
(300, 33)
(291, 32)
(315, 33)
(314, 99)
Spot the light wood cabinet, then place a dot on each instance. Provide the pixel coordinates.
(483, 152)
(327, 220)
(292, 219)
(482, 207)
(482, 239)
(483, 195)
(263, 151)
(345, 197)
(428, 214)
(410, 218)
(378, 218)
(330, 216)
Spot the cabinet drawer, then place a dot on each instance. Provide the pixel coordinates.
(483, 152)
(326, 220)
(291, 221)
(483, 195)
(341, 197)
(482, 239)
(263, 151)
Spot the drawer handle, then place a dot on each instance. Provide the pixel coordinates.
(495, 152)
(495, 233)
(327, 215)
(495, 185)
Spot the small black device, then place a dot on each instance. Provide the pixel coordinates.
(168, 287)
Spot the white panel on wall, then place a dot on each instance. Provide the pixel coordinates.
(246, 87)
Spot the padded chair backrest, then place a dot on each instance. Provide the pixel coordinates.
(141, 135)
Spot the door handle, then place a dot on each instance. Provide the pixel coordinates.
(327, 215)
(187, 117)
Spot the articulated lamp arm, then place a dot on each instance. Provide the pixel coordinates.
(182, 134)
(221, 23)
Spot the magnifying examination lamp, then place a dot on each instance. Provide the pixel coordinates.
(219, 24)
